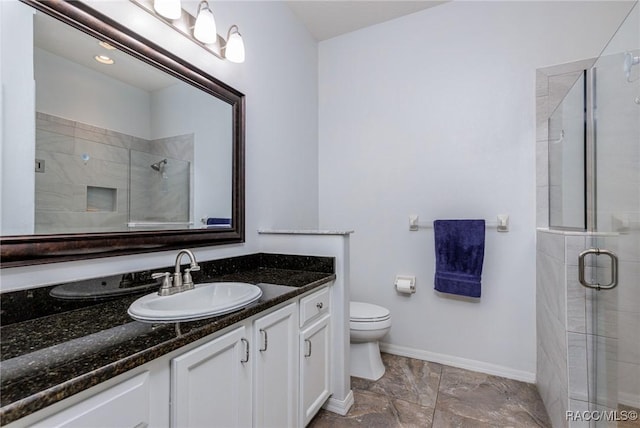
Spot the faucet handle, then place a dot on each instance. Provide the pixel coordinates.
(187, 280)
(159, 275)
(166, 282)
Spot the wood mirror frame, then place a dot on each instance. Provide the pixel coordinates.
(25, 250)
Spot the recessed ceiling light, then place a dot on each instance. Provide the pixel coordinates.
(103, 59)
(106, 46)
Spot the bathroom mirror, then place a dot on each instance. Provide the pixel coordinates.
(146, 154)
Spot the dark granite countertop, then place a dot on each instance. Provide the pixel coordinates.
(52, 349)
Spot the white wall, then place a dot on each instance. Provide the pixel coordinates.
(181, 109)
(18, 102)
(62, 86)
(281, 130)
(433, 114)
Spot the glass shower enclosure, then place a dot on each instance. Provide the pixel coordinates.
(615, 312)
(594, 188)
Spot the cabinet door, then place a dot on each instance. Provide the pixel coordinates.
(211, 385)
(123, 405)
(276, 368)
(314, 367)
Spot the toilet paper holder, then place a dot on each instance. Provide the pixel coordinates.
(405, 284)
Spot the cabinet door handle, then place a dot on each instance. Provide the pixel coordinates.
(308, 354)
(319, 305)
(265, 340)
(246, 350)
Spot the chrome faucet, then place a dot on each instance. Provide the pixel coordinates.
(179, 282)
(185, 281)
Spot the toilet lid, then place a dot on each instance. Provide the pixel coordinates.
(360, 311)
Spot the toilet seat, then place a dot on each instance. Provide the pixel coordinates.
(367, 312)
(366, 316)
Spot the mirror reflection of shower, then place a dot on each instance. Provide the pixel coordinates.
(629, 61)
(159, 166)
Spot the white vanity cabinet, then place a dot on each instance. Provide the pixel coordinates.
(278, 378)
(125, 405)
(211, 384)
(246, 377)
(315, 355)
(276, 368)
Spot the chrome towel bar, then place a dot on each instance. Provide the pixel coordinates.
(502, 223)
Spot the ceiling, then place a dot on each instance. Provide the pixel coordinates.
(324, 19)
(65, 41)
(331, 18)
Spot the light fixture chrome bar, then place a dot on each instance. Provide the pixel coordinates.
(184, 25)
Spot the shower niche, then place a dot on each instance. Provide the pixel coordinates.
(101, 199)
(100, 180)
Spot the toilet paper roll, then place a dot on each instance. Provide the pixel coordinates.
(405, 286)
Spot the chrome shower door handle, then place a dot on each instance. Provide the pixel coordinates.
(614, 269)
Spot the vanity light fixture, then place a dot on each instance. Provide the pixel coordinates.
(205, 28)
(234, 49)
(107, 46)
(201, 29)
(170, 9)
(103, 59)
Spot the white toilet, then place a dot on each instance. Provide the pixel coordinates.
(368, 324)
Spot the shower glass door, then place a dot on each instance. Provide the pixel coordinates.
(614, 315)
(159, 191)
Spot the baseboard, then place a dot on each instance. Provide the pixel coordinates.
(627, 399)
(463, 363)
(340, 407)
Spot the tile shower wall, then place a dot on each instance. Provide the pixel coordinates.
(612, 322)
(551, 314)
(162, 196)
(84, 185)
(588, 352)
(563, 342)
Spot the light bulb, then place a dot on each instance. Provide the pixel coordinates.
(205, 28)
(234, 50)
(103, 59)
(170, 9)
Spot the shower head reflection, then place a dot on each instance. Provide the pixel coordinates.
(159, 166)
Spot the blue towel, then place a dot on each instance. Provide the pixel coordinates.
(218, 221)
(459, 256)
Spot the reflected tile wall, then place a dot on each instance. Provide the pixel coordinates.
(61, 190)
(160, 196)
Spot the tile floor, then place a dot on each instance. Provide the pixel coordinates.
(415, 393)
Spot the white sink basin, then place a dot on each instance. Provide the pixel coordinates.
(204, 301)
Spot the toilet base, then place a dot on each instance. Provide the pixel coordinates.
(366, 361)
